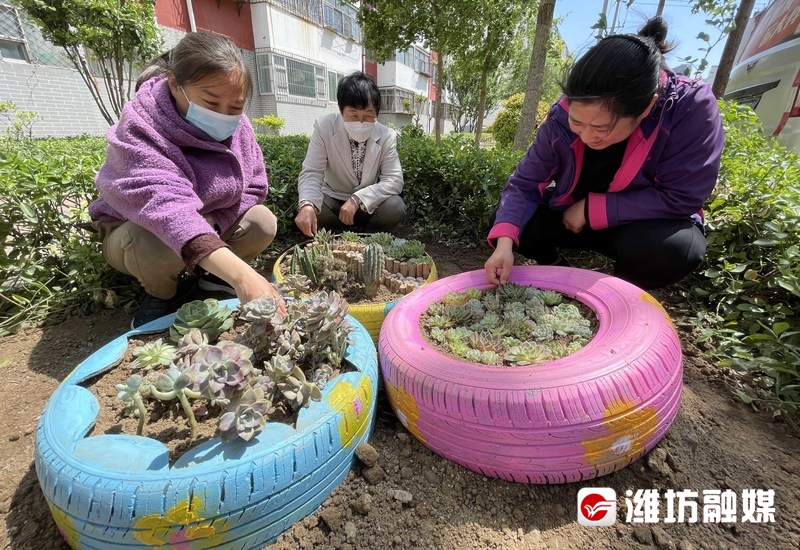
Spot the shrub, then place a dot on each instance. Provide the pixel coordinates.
(283, 157)
(504, 127)
(48, 263)
(751, 284)
(268, 124)
(452, 187)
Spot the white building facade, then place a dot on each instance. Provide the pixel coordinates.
(297, 51)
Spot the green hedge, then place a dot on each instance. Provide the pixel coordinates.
(452, 187)
(749, 289)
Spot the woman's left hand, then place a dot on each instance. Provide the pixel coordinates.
(574, 217)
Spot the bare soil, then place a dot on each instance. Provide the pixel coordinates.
(716, 442)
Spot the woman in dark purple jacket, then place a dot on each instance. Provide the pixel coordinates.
(622, 166)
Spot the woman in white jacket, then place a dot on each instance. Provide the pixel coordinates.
(351, 176)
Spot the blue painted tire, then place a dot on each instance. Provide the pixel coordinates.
(110, 491)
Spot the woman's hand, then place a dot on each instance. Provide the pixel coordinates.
(498, 266)
(574, 217)
(248, 283)
(347, 212)
(306, 220)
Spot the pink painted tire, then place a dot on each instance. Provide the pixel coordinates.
(575, 418)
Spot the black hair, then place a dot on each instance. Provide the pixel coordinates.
(622, 71)
(196, 56)
(358, 90)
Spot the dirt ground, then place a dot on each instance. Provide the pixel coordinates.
(716, 442)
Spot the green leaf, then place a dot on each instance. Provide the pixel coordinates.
(29, 212)
(780, 328)
(744, 397)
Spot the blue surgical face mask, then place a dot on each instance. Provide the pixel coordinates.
(217, 125)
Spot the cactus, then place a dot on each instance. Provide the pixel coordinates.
(374, 260)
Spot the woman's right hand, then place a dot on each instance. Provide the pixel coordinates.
(248, 283)
(498, 266)
(306, 220)
(255, 286)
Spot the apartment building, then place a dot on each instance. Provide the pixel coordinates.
(297, 51)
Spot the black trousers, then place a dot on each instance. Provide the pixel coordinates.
(647, 253)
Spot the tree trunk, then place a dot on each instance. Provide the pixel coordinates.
(533, 87)
(482, 102)
(731, 45)
(660, 8)
(438, 112)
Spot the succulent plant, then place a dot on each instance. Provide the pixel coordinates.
(454, 299)
(132, 399)
(302, 262)
(205, 315)
(485, 341)
(153, 354)
(382, 238)
(294, 285)
(222, 370)
(475, 307)
(511, 292)
(321, 375)
(324, 236)
(490, 320)
(527, 353)
(460, 347)
(473, 293)
(552, 298)
(331, 272)
(404, 250)
(374, 262)
(246, 417)
(350, 237)
(440, 321)
(458, 333)
(278, 367)
(484, 357)
(511, 324)
(190, 342)
(297, 390)
(492, 302)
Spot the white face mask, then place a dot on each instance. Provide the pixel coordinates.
(359, 131)
(217, 125)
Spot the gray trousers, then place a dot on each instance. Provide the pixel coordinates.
(389, 213)
(133, 250)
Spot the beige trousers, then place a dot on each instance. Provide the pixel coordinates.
(135, 251)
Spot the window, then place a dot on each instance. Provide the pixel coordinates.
(417, 59)
(422, 62)
(333, 83)
(301, 78)
(310, 10)
(281, 74)
(341, 18)
(396, 100)
(12, 37)
(263, 73)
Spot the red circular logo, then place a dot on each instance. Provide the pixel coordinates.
(594, 507)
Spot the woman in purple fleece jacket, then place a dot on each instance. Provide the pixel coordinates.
(183, 181)
(622, 166)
